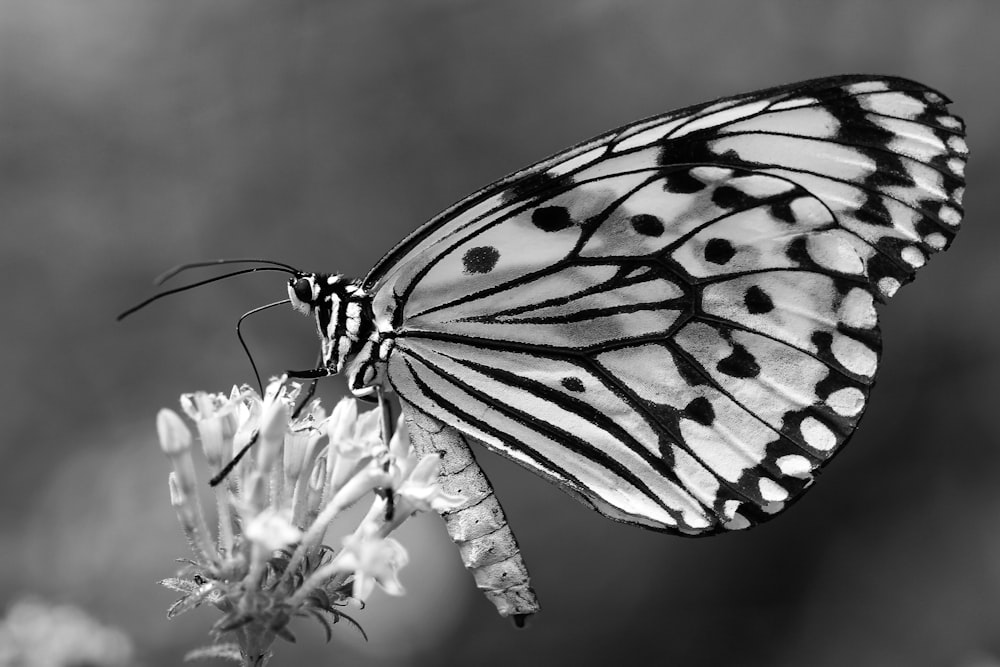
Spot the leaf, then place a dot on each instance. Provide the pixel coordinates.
(319, 598)
(179, 585)
(351, 622)
(230, 622)
(180, 606)
(285, 634)
(321, 619)
(192, 600)
(338, 615)
(227, 651)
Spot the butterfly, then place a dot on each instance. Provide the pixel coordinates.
(674, 322)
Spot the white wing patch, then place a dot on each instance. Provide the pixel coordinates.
(675, 322)
(722, 117)
(577, 161)
(798, 121)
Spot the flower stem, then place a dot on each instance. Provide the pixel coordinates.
(225, 520)
(255, 645)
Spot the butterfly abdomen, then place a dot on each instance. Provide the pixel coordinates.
(479, 527)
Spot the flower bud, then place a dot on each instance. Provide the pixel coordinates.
(174, 435)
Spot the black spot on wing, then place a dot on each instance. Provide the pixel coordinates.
(689, 149)
(727, 197)
(798, 251)
(647, 225)
(739, 364)
(481, 259)
(551, 218)
(757, 301)
(782, 210)
(874, 211)
(701, 411)
(682, 182)
(572, 383)
(719, 251)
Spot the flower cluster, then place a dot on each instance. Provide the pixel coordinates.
(267, 561)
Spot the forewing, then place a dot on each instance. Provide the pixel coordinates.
(676, 322)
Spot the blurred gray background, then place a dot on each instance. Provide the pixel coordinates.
(138, 134)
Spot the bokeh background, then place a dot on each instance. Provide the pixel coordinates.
(137, 134)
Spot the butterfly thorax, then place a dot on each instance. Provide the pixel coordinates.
(346, 326)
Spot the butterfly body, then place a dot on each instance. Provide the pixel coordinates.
(675, 322)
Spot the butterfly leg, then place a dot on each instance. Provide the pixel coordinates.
(311, 374)
(385, 408)
(309, 394)
(479, 528)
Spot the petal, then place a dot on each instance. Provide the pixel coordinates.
(400, 556)
(340, 424)
(370, 477)
(399, 444)
(273, 426)
(363, 586)
(390, 582)
(426, 470)
(367, 428)
(442, 502)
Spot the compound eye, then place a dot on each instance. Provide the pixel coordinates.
(302, 288)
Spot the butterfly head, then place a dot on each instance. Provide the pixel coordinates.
(342, 311)
(304, 291)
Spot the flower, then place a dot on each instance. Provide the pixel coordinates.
(272, 530)
(215, 415)
(269, 562)
(415, 482)
(420, 491)
(373, 560)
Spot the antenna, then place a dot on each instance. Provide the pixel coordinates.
(170, 273)
(239, 334)
(184, 288)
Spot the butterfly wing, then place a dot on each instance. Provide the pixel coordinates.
(675, 321)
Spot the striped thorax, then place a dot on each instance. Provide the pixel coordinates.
(345, 322)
